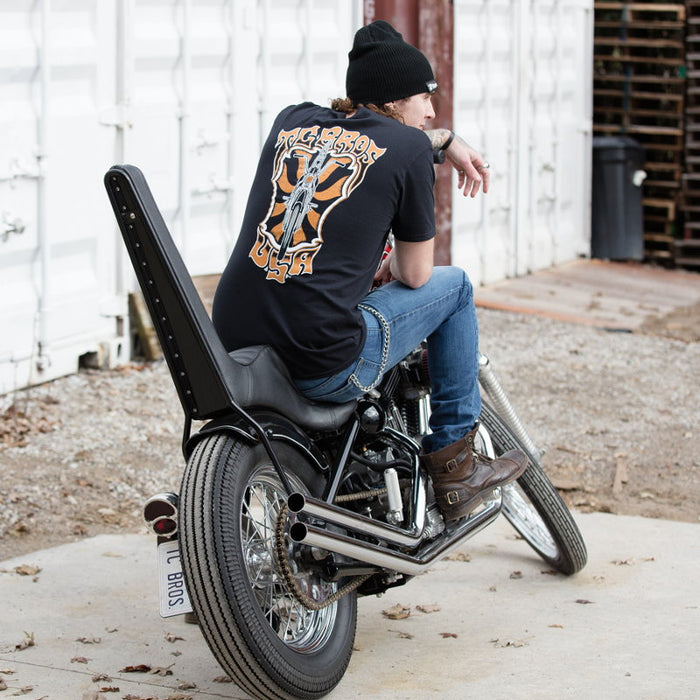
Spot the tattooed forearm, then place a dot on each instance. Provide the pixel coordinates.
(437, 137)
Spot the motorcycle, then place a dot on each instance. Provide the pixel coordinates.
(290, 510)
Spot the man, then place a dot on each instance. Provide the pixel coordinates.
(331, 185)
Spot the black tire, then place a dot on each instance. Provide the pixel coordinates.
(534, 507)
(268, 643)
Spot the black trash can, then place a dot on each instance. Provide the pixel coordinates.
(617, 227)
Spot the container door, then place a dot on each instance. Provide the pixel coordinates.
(522, 97)
(203, 82)
(56, 251)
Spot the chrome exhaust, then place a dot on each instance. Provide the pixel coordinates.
(383, 557)
(329, 513)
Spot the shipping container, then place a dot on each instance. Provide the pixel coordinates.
(187, 89)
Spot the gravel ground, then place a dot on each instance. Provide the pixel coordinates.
(616, 412)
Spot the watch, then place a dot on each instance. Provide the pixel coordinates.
(447, 143)
(439, 154)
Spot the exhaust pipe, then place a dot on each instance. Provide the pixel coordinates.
(383, 557)
(328, 513)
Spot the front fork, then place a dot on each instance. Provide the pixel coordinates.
(499, 400)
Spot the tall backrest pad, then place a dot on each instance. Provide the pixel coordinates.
(205, 376)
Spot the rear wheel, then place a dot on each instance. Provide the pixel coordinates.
(270, 644)
(534, 507)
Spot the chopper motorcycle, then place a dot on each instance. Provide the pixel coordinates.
(289, 510)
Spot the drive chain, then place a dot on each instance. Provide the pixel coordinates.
(285, 569)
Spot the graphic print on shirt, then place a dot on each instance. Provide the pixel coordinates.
(314, 169)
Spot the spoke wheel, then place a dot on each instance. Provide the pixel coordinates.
(298, 627)
(532, 504)
(270, 644)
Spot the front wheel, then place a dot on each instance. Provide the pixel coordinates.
(534, 507)
(270, 644)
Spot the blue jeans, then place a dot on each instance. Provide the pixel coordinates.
(441, 311)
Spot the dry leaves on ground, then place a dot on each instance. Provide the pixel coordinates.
(101, 677)
(26, 570)
(174, 696)
(147, 668)
(27, 642)
(137, 668)
(170, 637)
(16, 425)
(429, 608)
(459, 556)
(397, 612)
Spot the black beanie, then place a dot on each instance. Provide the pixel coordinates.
(383, 67)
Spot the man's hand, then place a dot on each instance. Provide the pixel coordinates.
(383, 274)
(472, 169)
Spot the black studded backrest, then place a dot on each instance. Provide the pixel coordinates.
(202, 370)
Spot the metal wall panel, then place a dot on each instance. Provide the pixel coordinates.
(522, 96)
(186, 90)
(58, 275)
(302, 52)
(203, 81)
(18, 192)
(178, 76)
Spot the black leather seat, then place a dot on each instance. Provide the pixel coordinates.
(264, 381)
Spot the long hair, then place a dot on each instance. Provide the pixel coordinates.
(347, 106)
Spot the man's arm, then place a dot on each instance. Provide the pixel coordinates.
(411, 262)
(470, 164)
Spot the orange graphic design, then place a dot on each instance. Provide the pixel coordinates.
(314, 170)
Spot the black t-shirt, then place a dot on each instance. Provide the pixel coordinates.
(327, 191)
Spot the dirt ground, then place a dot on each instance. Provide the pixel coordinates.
(616, 412)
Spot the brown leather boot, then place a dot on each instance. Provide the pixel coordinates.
(463, 478)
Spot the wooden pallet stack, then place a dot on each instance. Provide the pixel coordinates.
(688, 247)
(639, 90)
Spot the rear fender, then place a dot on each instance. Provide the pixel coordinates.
(276, 427)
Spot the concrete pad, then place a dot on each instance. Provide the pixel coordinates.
(100, 590)
(502, 626)
(595, 292)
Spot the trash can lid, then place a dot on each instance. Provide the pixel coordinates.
(615, 148)
(616, 141)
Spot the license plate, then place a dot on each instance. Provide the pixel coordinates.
(171, 581)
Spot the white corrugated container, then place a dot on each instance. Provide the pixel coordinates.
(204, 81)
(187, 90)
(59, 297)
(523, 97)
